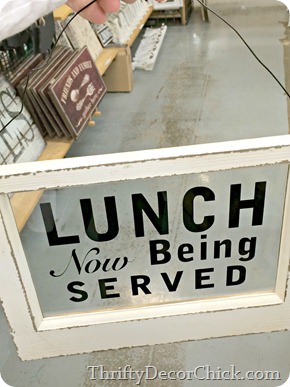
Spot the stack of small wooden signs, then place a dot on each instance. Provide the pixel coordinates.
(62, 92)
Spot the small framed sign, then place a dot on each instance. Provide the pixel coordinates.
(103, 33)
(148, 247)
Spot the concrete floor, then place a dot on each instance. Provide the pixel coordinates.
(205, 87)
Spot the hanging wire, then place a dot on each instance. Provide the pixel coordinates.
(90, 3)
(247, 45)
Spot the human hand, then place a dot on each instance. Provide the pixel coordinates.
(96, 12)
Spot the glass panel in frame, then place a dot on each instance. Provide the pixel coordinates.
(204, 229)
(156, 241)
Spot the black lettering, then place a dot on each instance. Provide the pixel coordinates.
(114, 264)
(92, 266)
(136, 284)
(183, 250)
(160, 221)
(172, 286)
(78, 264)
(200, 277)
(227, 243)
(104, 288)
(239, 272)
(203, 248)
(50, 228)
(257, 204)
(251, 251)
(188, 209)
(163, 251)
(83, 294)
(112, 220)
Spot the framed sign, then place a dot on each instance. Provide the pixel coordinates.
(147, 247)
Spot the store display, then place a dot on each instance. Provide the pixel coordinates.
(37, 93)
(59, 99)
(77, 91)
(63, 94)
(123, 23)
(42, 34)
(80, 34)
(21, 140)
(43, 112)
(24, 69)
(149, 48)
(61, 36)
(104, 33)
(171, 9)
(119, 76)
(166, 5)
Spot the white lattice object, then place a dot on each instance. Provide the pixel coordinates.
(149, 48)
(123, 23)
(20, 141)
(166, 5)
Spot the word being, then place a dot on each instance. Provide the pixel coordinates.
(187, 252)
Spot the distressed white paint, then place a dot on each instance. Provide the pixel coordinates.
(37, 337)
(143, 164)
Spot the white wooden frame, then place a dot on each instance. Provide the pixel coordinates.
(38, 337)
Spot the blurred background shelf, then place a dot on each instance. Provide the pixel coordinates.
(24, 203)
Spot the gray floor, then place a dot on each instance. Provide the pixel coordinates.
(205, 87)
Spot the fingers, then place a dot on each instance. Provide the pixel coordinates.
(97, 11)
(109, 5)
(93, 13)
